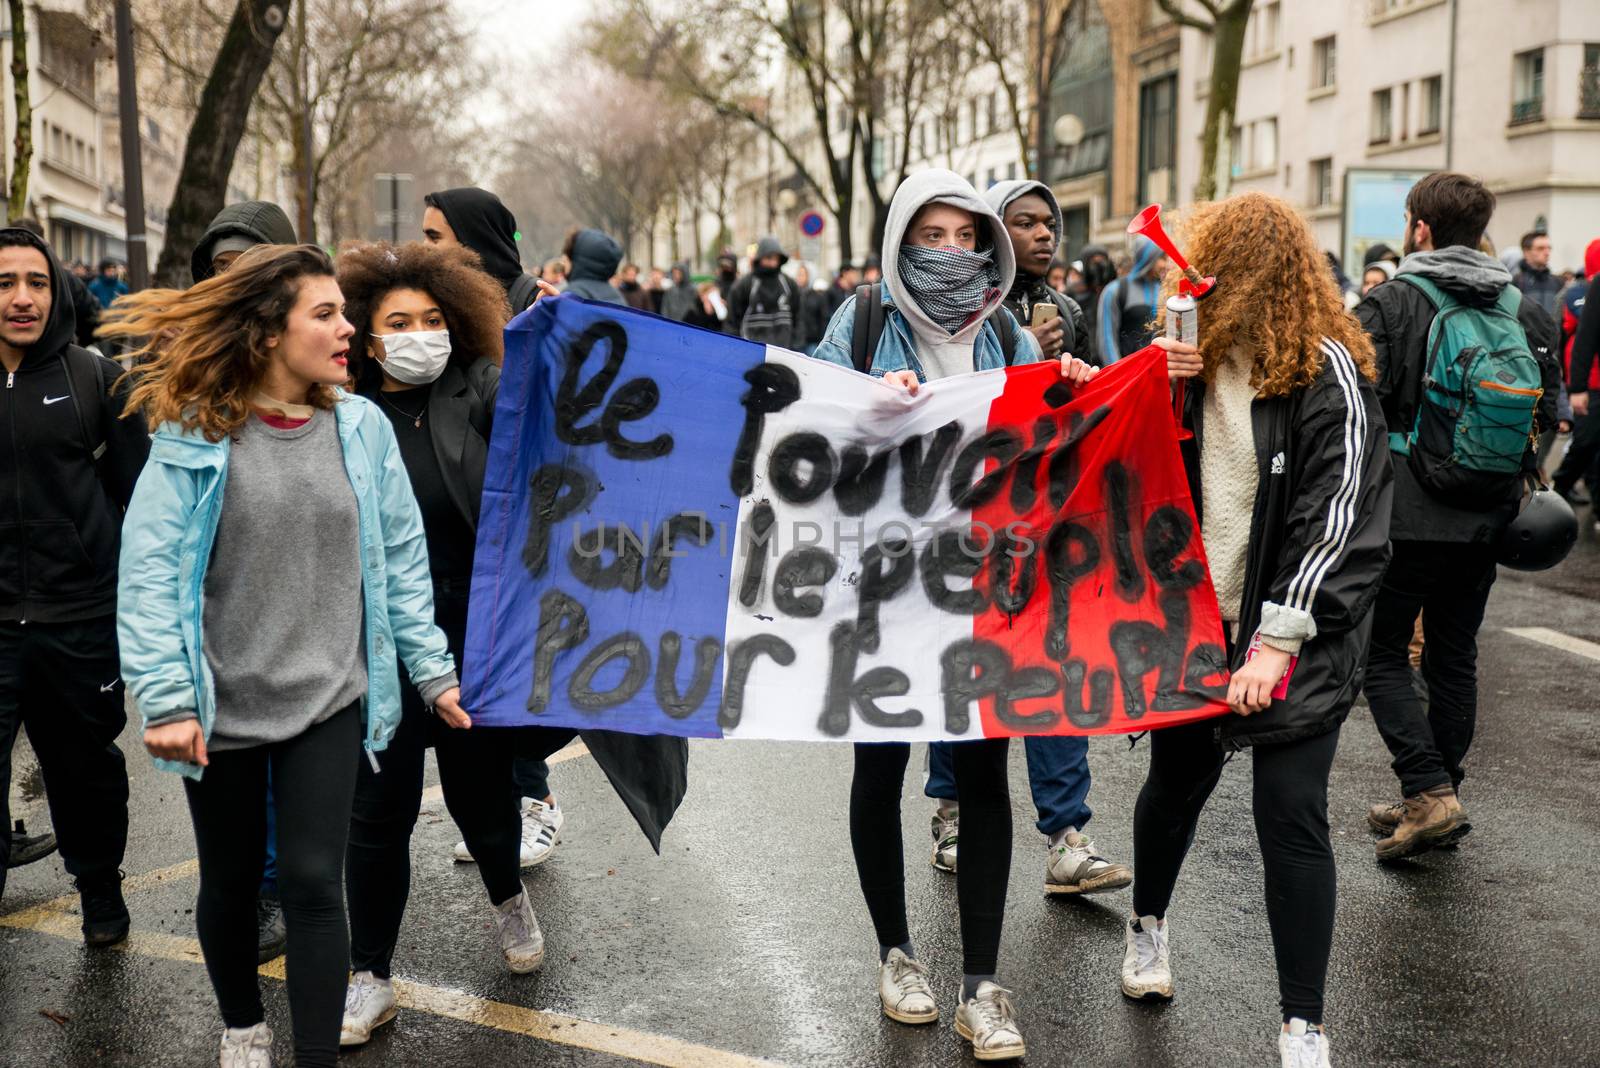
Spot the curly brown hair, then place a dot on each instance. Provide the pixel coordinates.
(1275, 295)
(474, 303)
(204, 352)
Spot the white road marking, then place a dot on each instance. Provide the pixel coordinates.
(58, 919)
(1554, 638)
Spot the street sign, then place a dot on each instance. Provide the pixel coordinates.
(811, 224)
(391, 191)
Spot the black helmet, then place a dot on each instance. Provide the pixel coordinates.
(1542, 534)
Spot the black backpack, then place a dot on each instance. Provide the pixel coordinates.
(871, 315)
(86, 384)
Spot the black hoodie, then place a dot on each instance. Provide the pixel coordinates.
(486, 226)
(60, 516)
(259, 220)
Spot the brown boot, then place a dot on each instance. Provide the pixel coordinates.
(1385, 816)
(1432, 818)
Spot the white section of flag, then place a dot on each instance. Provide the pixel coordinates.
(845, 407)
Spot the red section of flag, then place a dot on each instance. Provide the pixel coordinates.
(1098, 612)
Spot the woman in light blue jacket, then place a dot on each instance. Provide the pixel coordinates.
(273, 567)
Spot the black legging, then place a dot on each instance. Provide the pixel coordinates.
(314, 780)
(1290, 803)
(475, 772)
(985, 866)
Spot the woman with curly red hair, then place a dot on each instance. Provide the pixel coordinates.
(1291, 480)
(427, 351)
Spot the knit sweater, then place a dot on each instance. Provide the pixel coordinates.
(283, 609)
(1228, 478)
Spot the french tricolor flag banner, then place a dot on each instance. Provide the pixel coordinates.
(687, 533)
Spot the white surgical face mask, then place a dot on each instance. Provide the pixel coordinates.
(416, 357)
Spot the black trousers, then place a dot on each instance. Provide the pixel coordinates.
(1449, 584)
(985, 865)
(1290, 803)
(1582, 452)
(475, 773)
(62, 683)
(314, 781)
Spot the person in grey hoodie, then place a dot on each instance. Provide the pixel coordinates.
(1444, 561)
(1032, 218)
(594, 257)
(681, 296)
(947, 263)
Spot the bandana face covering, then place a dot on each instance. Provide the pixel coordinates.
(950, 285)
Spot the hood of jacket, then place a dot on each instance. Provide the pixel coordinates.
(680, 275)
(944, 187)
(1001, 194)
(771, 246)
(1145, 254)
(61, 325)
(259, 220)
(1591, 259)
(595, 257)
(1470, 276)
(486, 226)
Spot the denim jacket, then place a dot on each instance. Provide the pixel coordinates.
(167, 538)
(897, 348)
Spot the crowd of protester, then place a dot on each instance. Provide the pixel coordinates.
(355, 396)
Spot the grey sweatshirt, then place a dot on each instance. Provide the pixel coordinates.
(283, 616)
(942, 353)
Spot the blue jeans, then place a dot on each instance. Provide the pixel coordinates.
(269, 869)
(1058, 776)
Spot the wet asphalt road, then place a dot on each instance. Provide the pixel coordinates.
(748, 935)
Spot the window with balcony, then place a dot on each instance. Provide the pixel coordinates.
(1432, 106)
(1527, 86)
(1324, 60)
(1322, 183)
(1589, 83)
(1381, 130)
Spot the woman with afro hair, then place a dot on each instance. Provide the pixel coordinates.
(1289, 471)
(427, 351)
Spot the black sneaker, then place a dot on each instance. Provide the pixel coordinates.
(105, 915)
(27, 848)
(270, 934)
(1574, 496)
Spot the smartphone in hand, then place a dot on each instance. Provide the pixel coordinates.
(1044, 311)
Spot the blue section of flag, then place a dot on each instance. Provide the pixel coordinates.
(698, 377)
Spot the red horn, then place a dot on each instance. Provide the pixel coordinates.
(1148, 224)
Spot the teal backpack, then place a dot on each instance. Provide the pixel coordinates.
(1480, 387)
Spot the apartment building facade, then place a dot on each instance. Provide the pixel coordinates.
(1340, 107)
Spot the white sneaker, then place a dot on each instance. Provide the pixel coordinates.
(541, 833)
(903, 989)
(246, 1047)
(989, 1021)
(368, 1005)
(946, 830)
(541, 830)
(1076, 867)
(1147, 962)
(521, 941)
(1302, 1047)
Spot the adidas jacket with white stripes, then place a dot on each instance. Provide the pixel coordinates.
(1319, 541)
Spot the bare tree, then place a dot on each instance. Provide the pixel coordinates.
(859, 68)
(1225, 21)
(22, 144)
(236, 73)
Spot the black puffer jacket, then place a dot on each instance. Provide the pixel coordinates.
(60, 510)
(1319, 541)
